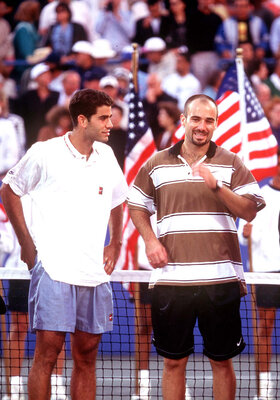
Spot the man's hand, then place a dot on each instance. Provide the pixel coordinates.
(205, 173)
(28, 252)
(156, 253)
(247, 230)
(110, 256)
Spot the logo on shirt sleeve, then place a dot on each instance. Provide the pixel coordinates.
(100, 191)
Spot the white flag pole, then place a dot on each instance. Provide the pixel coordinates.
(243, 117)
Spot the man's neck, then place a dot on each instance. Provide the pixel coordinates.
(192, 153)
(80, 143)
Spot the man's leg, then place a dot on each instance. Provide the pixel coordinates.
(266, 324)
(48, 346)
(224, 381)
(84, 348)
(174, 379)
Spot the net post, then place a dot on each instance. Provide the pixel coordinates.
(5, 347)
(254, 319)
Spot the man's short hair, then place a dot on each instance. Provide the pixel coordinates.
(86, 101)
(202, 97)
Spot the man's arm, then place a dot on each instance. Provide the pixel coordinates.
(155, 251)
(112, 251)
(13, 207)
(239, 206)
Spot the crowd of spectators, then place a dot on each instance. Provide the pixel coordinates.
(49, 49)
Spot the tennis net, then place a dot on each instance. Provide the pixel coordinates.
(122, 352)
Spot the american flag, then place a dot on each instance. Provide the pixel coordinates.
(242, 126)
(140, 147)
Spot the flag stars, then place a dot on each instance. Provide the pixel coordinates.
(131, 135)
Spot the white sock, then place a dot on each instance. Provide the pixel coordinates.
(57, 384)
(16, 387)
(266, 384)
(144, 382)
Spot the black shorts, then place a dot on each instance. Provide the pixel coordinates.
(268, 296)
(18, 295)
(145, 293)
(175, 310)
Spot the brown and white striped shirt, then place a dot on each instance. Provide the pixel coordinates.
(196, 228)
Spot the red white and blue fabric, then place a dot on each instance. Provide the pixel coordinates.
(140, 147)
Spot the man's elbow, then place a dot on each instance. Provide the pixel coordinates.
(251, 213)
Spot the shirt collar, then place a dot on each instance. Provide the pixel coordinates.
(175, 150)
(75, 153)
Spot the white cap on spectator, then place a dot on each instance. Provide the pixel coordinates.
(39, 69)
(154, 44)
(82, 46)
(108, 80)
(102, 48)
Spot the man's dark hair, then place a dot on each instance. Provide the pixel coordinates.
(202, 97)
(86, 101)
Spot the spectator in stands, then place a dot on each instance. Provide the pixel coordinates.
(242, 27)
(168, 119)
(181, 84)
(264, 233)
(123, 77)
(273, 81)
(262, 11)
(160, 61)
(213, 84)
(177, 24)
(84, 60)
(92, 79)
(117, 138)
(248, 56)
(155, 95)
(257, 72)
(110, 85)
(71, 82)
(102, 52)
(62, 35)
(58, 123)
(69, 285)
(263, 93)
(274, 38)
(8, 84)
(6, 46)
(156, 24)
(115, 24)
(200, 41)
(10, 138)
(17, 122)
(25, 34)
(81, 13)
(272, 112)
(34, 104)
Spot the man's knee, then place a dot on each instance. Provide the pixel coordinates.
(224, 366)
(48, 347)
(173, 365)
(84, 349)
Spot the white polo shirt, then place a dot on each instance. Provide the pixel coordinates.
(71, 200)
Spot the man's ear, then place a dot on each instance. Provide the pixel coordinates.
(183, 119)
(82, 121)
